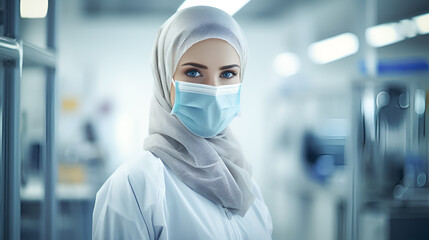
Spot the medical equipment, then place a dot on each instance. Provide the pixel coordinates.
(390, 159)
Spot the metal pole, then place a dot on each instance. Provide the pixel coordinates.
(365, 16)
(11, 161)
(11, 17)
(50, 166)
(2, 163)
(370, 19)
(11, 154)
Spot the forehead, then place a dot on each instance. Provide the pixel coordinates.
(211, 51)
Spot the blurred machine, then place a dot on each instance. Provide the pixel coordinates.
(390, 156)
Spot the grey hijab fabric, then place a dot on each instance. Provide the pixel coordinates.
(213, 167)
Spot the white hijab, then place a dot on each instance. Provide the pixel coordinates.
(213, 167)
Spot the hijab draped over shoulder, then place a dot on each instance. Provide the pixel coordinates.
(213, 167)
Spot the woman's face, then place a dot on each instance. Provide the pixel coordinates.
(212, 61)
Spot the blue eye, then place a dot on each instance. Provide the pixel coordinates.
(193, 73)
(228, 74)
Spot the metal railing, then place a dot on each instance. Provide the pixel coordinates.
(14, 54)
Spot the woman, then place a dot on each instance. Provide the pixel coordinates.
(192, 181)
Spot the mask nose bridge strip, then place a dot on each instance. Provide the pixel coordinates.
(207, 89)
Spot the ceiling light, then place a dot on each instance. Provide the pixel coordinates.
(407, 28)
(34, 8)
(333, 48)
(229, 6)
(422, 23)
(287, 64)
(382, 35)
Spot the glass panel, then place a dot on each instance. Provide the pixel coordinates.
(33, 30)
(32, 132)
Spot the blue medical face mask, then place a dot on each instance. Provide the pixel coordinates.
(206, 110)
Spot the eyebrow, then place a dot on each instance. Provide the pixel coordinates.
(195, 65)
(205, 67)
(229, 66)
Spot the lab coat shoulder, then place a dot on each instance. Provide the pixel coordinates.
(129, 204)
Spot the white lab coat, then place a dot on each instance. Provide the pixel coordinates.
(143, 199)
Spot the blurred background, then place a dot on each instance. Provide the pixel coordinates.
(333, 114)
